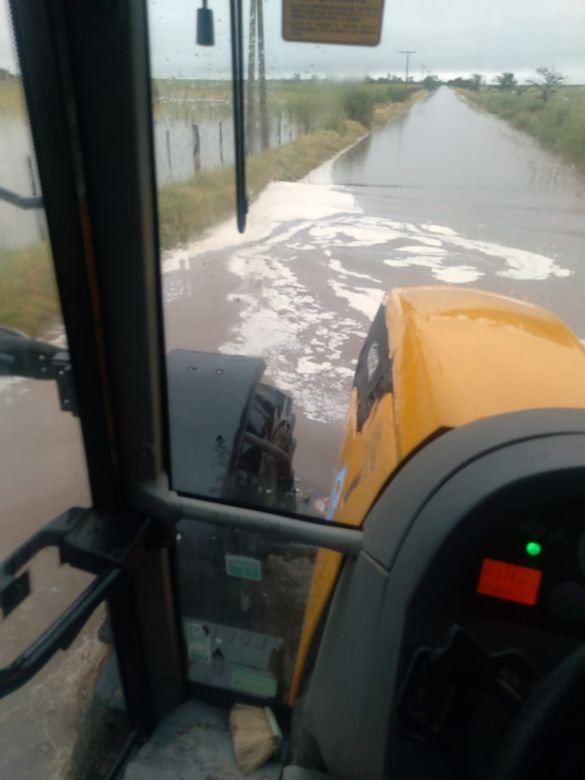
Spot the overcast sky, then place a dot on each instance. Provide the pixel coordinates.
(451, 37)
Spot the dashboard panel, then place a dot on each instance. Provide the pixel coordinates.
(530, 568)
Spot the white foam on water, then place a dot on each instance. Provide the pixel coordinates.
(429, 250)
(457, 274)
(307, 366)
(442, 230)
(336, 266)
(279, 203)
(300, 339)
(365, 300)
(294, 326)
(296, 259)
(338, 233)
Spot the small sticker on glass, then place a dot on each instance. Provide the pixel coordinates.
(243, 567)
(255, 683)
(198, 642)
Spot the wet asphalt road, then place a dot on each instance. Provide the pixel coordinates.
(447, 164)
(445, 194)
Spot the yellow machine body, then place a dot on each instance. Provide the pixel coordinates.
(437, 358)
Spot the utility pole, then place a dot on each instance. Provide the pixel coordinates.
(264, 126)
(251, 105)
(256, 45)
(407, 55)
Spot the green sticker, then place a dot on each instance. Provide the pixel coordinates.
(198, 642)
(256, 683)
(246, 568)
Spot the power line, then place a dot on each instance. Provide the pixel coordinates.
(407, 54)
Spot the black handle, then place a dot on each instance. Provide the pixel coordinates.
(101, 543)
(59, 635)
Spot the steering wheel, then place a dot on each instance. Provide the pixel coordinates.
(538, 743)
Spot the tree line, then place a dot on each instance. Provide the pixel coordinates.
(546, 81)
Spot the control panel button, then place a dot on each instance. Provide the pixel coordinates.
(566, 601)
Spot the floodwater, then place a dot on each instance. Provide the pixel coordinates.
(184, 144)
(446, 194)
(449, 165)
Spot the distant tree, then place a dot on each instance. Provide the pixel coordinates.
(476, 82)
(6, 75)
(460, 82)
(547, 80)
(506, 80)
(431, 82)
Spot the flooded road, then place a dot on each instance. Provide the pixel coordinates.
(444, 195)
(449, 165)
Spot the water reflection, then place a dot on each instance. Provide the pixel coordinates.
(185, 145)
(443, 146)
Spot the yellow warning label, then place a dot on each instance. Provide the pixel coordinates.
(350, 22)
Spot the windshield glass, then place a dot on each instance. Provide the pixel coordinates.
(414, 162)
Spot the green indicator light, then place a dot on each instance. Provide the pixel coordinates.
(533, 549)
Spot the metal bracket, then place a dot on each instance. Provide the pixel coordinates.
(65, 384)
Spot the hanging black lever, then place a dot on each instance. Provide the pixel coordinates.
(205, 33)
(238, 100)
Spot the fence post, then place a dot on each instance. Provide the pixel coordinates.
(221, 143)
(196, 148)
(169, 158)
(41, 224)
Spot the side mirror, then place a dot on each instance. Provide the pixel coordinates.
(20, 355)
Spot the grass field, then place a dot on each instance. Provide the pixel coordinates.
(11, 98)
(28, 293)
(558, 123)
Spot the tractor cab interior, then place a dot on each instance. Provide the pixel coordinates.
(262, 586)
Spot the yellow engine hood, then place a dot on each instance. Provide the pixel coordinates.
(459, 355)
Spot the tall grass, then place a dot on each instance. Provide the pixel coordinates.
(28, 292)
(312, 105)
(11, 98)
(558, 123)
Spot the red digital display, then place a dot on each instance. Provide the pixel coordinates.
(509, 582)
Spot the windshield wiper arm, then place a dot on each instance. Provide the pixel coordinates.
(238, 99)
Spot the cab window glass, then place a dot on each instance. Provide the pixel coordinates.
(368, 169)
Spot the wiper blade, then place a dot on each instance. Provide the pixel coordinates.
(236, 22)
